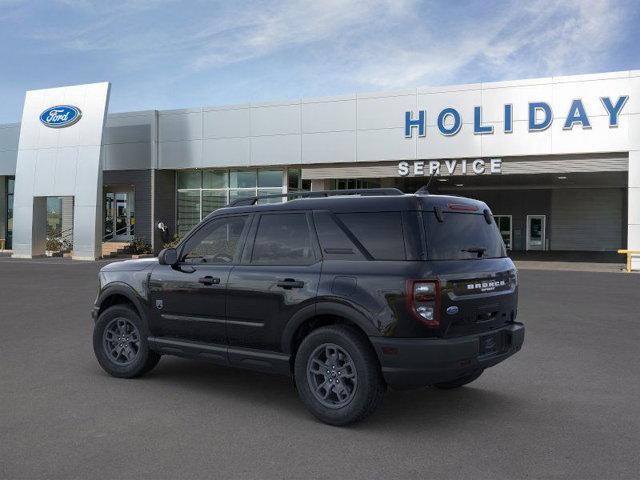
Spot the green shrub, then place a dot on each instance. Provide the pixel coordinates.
(173, 243)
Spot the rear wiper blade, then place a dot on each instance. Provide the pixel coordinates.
(479, 250)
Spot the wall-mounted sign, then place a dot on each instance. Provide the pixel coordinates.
(478, 166)
(60, 116)
(540, 116)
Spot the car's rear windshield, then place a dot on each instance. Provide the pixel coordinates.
(462, 236)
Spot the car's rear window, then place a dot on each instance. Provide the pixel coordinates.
(462, 236)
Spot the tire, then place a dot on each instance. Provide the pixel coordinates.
(353, 391)
(131, 358)
(459, 382)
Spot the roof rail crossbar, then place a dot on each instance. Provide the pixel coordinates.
(317, 194)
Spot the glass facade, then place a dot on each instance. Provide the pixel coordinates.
(200, 192)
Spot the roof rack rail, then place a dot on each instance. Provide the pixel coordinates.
(318, 194)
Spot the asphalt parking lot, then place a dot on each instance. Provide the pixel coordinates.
(567, 406)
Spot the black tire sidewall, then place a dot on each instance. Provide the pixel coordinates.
(145, 356)
(369, 380)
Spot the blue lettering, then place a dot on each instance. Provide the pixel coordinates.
(478, 128)
(457, 122)
(614, 110)
(409, 123)
(534, 125)
(508, 118)
(577, 114)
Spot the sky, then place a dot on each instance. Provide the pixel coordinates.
(163, 54)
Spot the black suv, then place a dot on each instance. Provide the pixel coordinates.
(347, 292)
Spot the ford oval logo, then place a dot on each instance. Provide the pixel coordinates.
(452, 310)
(60, 116)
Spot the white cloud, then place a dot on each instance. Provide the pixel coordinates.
(374, 44)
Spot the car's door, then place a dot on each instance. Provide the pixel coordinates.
(188, 299)
(277, 277)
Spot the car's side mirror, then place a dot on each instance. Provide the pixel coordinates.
(168, 256)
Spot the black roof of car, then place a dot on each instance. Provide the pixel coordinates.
(364, 203)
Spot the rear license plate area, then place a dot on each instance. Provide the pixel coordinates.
(491, 344)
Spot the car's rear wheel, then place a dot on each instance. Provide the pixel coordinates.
(338, 376)
(120, 343)
(459, 382)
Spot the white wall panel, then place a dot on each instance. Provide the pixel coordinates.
(180, 126)
(275, 150)
(275, 120)
(329, 116)
(127, 156)
(226, 152)
(463, 101)
(185, 154)
(385, 112)
(386, 144)
(436, 145)
(519, 142)
(599, 138)
(494, 99)
(226, 123)
(329, 147)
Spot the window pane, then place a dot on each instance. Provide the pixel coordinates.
(215, 179)
(452, 238)
(269, 178)
(380, 233)
(10, 184)
(188, 211)
(236, 194)
(293, 181)
(212, 200)
(217, 243)
(283, 240)
(189, 179)
(276, 191)
(243, 178)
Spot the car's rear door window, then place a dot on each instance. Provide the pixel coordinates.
(283, 239)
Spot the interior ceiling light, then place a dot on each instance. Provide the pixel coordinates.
(459, 184)
(442, 180)
(562, 177)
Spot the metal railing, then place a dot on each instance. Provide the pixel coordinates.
(317, 194)
(120, 231)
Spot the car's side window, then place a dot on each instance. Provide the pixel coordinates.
(216, 243)
(283, 239)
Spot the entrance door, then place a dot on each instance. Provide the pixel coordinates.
(505, 226)
(119, 219)
(536, 232)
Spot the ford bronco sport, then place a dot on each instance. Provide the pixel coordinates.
(347, 292)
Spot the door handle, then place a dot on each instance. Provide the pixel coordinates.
(289, 283)
(209, 280)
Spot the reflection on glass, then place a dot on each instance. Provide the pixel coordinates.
(269, 178)
(212, 200)
(189, 179)
(243, 179)
(215, 179)
(188, 211)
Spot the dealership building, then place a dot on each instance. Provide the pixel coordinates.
(557, 159)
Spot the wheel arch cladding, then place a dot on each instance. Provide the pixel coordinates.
(120, 295)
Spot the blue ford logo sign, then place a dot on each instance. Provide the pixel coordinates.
(60, 116)
(452, 310)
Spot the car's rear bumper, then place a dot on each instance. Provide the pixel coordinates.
(417, 362)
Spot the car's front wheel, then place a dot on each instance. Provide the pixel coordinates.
(120, 343)
(338, 376)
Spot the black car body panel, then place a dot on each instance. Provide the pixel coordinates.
(359, 261)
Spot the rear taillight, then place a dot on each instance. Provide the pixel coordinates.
(423, 298)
